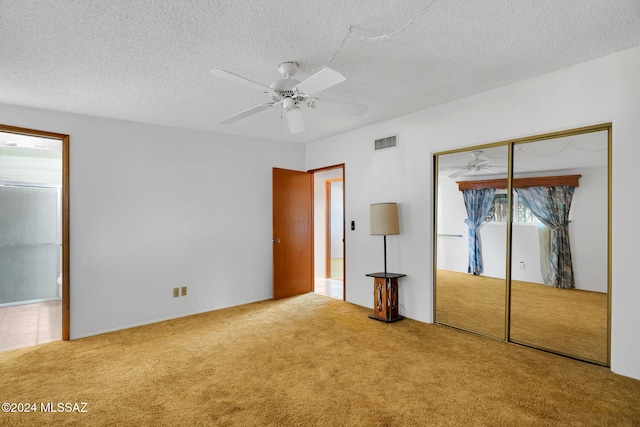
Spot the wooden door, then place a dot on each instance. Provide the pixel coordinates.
(292, 233)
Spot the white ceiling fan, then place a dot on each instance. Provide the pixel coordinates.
(475, 165)
(292, 94)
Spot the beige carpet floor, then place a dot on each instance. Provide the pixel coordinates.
(308, 361)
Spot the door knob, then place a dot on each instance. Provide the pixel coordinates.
(275, 240)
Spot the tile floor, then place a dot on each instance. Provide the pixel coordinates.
(30, 324)
(329, 287)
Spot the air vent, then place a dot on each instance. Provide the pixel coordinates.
(386, 143)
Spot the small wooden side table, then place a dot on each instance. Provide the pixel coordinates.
(385, 297)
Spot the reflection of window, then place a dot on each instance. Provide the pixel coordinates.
(500, 210)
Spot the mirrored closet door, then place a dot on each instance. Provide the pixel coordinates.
(552, 229)
(471, 234)
(559, 246)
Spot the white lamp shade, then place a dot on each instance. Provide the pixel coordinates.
(384, 219)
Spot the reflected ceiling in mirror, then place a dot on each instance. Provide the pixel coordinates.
(545, 157)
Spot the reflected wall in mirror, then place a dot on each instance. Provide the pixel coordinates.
(559, 246)
(470, 248)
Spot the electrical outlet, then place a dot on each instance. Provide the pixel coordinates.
(176, 292)
(184, 290)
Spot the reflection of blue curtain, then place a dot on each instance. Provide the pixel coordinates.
(478, 204)
(551, 206)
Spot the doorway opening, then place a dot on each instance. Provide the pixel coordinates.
(328, 231)
(34, 300)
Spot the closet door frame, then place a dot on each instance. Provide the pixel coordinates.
(608, 127)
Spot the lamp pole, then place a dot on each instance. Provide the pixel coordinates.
(385, 255)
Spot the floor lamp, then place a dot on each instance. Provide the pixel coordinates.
(384, 221)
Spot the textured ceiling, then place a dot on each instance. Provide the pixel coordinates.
(149, 60)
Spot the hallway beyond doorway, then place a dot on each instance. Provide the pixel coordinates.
(332, 286)
(328, 287)
(337, 268)
(30, 324)
(328, 231)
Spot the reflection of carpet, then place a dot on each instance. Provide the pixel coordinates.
(337, 268)
(569, 321)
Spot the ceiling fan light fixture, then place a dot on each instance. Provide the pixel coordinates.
(288, 69)
(289, 104)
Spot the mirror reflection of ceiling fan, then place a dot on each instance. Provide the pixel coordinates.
(292, 94)
(475, 165)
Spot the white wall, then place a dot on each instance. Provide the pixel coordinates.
(525, 249)
(588, 230)
(603, 90)
(153, 208)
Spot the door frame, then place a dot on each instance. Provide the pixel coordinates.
(344, 234)
(65, 213)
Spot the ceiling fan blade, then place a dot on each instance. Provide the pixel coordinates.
(489, 170)
(241, 80)
(294, 120)
(341, 107)
(457, 174)
(320, 81)
(246, 113)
